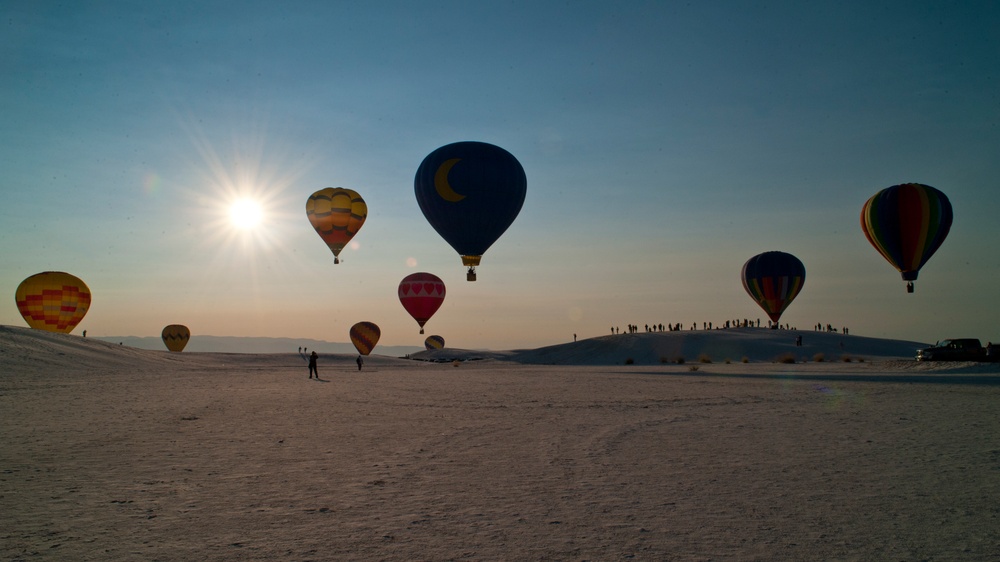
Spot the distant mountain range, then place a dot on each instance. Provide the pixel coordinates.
(229, 344)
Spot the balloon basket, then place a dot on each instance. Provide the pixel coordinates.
(471, 262)
(909, 287)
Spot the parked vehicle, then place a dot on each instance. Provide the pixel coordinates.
(962, 349)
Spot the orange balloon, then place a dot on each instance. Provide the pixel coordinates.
(336, 214)
(175, 337)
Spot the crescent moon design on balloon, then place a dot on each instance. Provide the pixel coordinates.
(441, 182)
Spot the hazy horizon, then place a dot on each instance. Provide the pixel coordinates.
(732, 345)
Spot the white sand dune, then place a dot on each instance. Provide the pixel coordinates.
(113, 453)
(735, 345)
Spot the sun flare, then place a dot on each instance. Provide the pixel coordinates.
(245, 214)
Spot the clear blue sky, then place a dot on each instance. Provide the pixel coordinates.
(664, 144)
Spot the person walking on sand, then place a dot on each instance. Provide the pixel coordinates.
(312, 365)
(360, 362)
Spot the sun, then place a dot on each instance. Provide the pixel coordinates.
(245, 214)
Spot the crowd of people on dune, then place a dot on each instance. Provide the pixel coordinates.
(737, 323)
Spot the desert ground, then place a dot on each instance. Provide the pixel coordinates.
(565, 453)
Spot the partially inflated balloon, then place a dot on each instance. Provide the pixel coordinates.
(773, 279)
(470, 192)
(364, 336)
(434, 342)
(53, 301)
(175, 337)
(421, 295)
(337, 214)
(907, 223)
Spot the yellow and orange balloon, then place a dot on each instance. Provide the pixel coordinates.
(53, 300)
(176, 336)
(337, 214)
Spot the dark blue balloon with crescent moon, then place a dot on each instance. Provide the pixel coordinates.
(470, 192)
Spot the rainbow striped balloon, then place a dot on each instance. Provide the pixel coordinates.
(907, 223)
(773, 279)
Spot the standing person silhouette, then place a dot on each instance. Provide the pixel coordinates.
(360, 362)
(312, 365)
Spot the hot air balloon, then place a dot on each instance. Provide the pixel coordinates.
(364, 336)
(470, 192)
(907, 223)
(53, 301)
(175, 337)
(337, 214)
(434, 342)
(773, 279)
(421, 295)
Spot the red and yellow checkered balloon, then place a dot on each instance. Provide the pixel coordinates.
(53, 301)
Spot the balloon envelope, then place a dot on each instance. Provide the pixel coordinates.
(53, 300)
(470, 192)
(364, 336)
(421, 295)
(434, 342)
(175, 337)
(773, 279)
(336, 214)
(907, 223)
